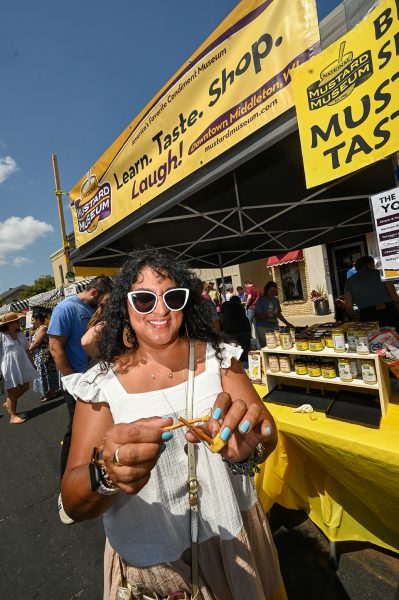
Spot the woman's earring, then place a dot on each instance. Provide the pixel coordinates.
(127, 338)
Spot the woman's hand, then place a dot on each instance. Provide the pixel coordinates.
(240, 425)
(139, 445)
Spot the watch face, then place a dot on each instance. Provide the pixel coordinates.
(94, 476)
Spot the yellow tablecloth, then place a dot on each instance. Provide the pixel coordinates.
(344, 476)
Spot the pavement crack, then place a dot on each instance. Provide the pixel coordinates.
(27, 507)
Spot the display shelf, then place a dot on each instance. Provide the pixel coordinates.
(326, 352)
(382, 386)
(333, 380)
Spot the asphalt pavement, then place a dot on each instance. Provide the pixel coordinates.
(40, 558)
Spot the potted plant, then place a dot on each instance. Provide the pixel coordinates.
(320, 299)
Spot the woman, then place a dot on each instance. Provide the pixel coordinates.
(15, 363)
(268, 312)
(229, 292)
(47, 384)
(126, 404)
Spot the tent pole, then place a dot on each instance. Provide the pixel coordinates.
(221, 274)
(59, 194)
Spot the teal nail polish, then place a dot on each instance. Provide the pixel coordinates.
(269, 430)
(245, 426)
(162, 448)
(165, 417)
(166, 436)
(217, 413)
(226, 433)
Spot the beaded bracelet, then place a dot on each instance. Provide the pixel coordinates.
(250, 466)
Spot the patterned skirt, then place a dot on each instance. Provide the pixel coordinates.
(48, 380)
(244, 567)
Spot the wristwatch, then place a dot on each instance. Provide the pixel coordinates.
(99, 478)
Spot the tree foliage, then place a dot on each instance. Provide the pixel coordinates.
(41, 284)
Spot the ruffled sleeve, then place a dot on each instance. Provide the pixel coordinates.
(229, 351)
(87, 386)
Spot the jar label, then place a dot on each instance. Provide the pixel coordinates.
(345, 373)
(368, 374)
(301, 370)
(328, 372)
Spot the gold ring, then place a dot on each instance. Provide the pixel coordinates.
(115, 458)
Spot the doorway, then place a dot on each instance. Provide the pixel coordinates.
(342, 257)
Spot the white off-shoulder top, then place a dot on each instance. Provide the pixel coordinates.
(153, 526)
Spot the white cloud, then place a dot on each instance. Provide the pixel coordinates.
(17, 233)
(19, 261)
(8, 166)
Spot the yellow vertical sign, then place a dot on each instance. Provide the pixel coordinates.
(347, 98)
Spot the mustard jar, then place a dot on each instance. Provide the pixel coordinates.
(339, 340)
(301, 367)
(344, 369)
(362, 341)
(286, 340)
(316, 343)
(328, 339)
(271, 341)
(285, 363)
(273, 361)
(314, 367)
(369, 374)
(328, 369)
(301, 342)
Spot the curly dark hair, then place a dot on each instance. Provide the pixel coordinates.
(196, 324)
(269, 286)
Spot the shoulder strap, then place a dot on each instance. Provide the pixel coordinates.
(192, 478)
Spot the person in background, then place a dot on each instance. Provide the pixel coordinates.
(352, 271)
(212, 313)
(94, 326)
(16, 363)
(156, 330)
(253, 295)
(236, 325)
(205, 291)
(241, 294)
(67, 325)
(376, 300)
(47, 384)
(214, 295)
(229, 292)
(268, 312)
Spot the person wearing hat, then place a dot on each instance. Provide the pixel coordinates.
(15, 363)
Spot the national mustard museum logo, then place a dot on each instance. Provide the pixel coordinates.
(94, 205)
(339, 79)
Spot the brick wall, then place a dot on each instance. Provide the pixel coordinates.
(295, 307)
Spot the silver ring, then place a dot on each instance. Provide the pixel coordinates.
(115, 458)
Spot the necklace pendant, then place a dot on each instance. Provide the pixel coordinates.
(170, 375)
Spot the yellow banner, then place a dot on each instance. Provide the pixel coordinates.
(347, 98)
(236, 82)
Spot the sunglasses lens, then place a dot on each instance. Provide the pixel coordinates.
(175, 299)
(143, 302)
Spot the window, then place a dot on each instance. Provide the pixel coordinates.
(291, 281)
(61, 271)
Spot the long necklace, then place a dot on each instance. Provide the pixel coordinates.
(170, 375)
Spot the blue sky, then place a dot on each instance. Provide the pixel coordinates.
(73, 75)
